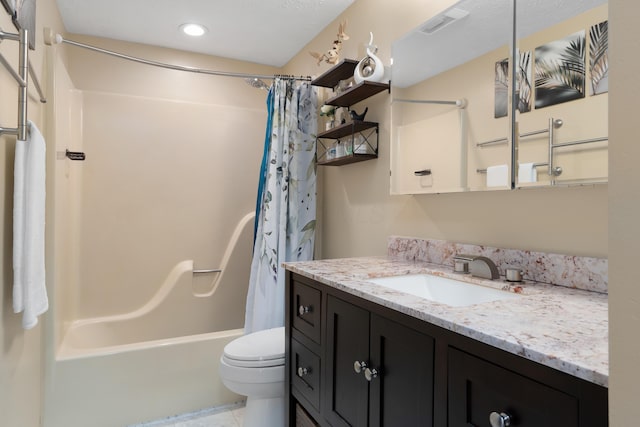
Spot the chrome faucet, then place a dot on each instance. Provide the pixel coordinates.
(479, 266)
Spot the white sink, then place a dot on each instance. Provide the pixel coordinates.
(444, 290)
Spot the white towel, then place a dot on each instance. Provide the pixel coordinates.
(498, 176)
(527, 173)
(29, 290)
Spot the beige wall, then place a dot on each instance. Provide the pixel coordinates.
(624, 211)
(20, 351)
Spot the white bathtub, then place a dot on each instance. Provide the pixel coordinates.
(131, 383)
(157, 361)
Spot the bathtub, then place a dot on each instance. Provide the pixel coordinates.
(131, 383)
(157, 361)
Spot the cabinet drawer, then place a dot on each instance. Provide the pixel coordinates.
(305, 373)
(306, 309)
(477, 388)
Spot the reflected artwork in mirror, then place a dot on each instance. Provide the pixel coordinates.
(569, 41)
(456, 115)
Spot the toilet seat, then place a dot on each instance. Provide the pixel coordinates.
(256, 350)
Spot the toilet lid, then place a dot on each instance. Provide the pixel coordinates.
(267, 345)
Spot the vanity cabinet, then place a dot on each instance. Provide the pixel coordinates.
(480, 391)
(352, 362)
(378, 372)
(358, 139)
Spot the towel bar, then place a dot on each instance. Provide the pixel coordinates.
(22, 78)
(212, 270)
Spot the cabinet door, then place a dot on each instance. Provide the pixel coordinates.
(402, 392)
(346, 397)
(477, 388)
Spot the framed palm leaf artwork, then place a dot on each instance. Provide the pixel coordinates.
(523, 82)
(523, 85)
(560, 70)
(599, 58)
(501, 89)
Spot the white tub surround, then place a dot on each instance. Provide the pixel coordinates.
(558, 326)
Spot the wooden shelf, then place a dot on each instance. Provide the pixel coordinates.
(330, 79)
(345, 160)
(357, 93)
(344, 70)
(347, 129)
(341, 71)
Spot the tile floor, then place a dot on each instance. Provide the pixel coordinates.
(228, 416)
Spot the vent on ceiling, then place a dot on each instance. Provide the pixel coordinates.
(438, 22)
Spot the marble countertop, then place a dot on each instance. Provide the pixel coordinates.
(560, 327)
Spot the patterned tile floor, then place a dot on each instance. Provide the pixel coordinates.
(228, 416)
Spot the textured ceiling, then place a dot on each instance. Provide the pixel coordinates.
(267, 32)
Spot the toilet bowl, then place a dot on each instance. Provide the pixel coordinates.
(253, 366)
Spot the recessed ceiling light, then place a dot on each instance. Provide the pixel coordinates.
(195, 30)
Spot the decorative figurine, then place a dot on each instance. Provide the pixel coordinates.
(358, 117)
(370, 67)
(333, 55)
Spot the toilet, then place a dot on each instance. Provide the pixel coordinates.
(253, 366)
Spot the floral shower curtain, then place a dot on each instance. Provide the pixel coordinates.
(286, 211)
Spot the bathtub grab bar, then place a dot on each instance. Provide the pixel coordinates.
(213, 270)
(225, 258)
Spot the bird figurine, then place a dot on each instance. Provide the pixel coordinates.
(358, 117)
(333, 55)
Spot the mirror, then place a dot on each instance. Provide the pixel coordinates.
(454, 110)
(452, 57)
(563, 70)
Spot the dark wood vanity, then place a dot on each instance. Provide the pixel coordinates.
(352, 362)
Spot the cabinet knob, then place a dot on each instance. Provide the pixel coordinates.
(499, 419)
(370, 374)
(304, 309)
(359, 366)
(303, 371)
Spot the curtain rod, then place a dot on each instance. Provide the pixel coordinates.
(50, 39)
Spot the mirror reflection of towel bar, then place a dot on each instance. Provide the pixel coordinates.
(556, 124)
(535, 165)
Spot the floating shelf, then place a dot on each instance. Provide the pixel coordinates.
(357, 93)
(341, 71)
(347, 131)
(345, 160)
(344, 70)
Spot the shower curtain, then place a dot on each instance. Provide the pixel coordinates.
(286, 211)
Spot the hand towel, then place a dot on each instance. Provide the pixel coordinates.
(29, 290)
(498, 176)
(527, 173)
